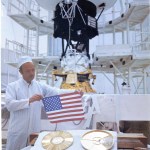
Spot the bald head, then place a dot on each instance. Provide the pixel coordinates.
(28, 71)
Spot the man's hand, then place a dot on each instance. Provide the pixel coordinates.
(80, 92)
(36, 97)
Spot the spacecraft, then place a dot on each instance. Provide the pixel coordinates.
(75, 22)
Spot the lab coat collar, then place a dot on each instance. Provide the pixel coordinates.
(26, 83)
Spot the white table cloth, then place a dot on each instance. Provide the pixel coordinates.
(108, 108)
(113, 108)
(133, 107)
(77, 134)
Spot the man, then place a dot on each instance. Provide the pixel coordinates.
(23, 100)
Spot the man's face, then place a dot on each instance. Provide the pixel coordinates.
(28, 71)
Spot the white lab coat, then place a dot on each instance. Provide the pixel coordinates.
(24, 118)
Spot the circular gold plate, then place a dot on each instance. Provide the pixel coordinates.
(58, 140)
(97, 140)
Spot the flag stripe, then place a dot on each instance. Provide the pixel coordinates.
(75, 104)
(66, 120)
(62, 114)
(72, 106)
(69, 94)
(71, 115)
(67, 111)
(72, 102)
(70, 98)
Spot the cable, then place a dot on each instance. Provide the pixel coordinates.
(5, 123)
(69, 33)
(77, 123)
(55, 127)
(81, 14)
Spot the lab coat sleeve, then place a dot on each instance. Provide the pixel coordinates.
(12, 103)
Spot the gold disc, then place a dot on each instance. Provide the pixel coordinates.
(58, 140)
(97, 140)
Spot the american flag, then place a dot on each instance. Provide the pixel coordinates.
(64, 107)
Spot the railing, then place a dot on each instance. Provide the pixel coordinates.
(141, 46)
(118, 9)
(16, 6)
(141, 40)
(108, 17)
(20, 48)
(20, 7)
(15, 50)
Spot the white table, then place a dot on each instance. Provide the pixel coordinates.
(77, 134)
(113, 108)
(110, 108)
(133, 107)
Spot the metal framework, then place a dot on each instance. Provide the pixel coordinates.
(132, 68)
